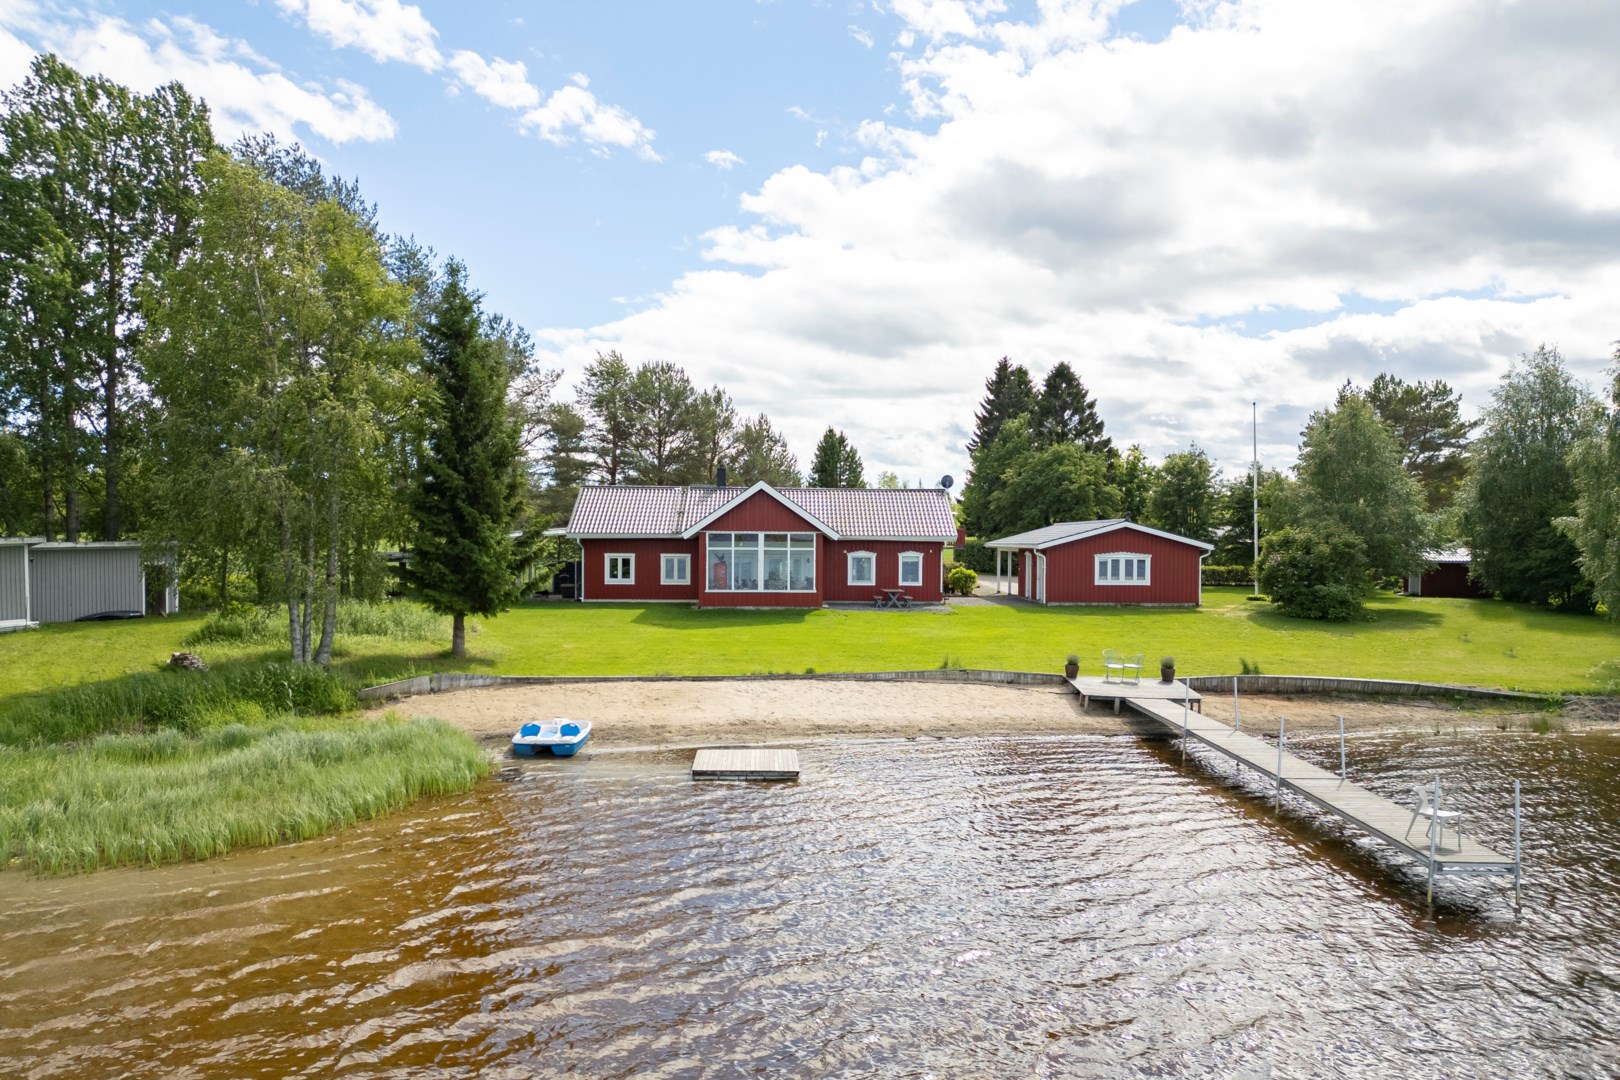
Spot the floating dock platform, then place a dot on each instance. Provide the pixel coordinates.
(745, 763)
(1091, 688)
(1357, 806)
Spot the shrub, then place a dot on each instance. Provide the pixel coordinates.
(976, 557)
(1316, 572)
(1241, 574)
(961, 581)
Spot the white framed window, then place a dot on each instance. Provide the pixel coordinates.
(862, 568)
(761, 562)
(621, 570)
(1124, 568)
(910, 568)
(676, 569)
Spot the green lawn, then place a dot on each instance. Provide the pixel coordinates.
(1484, 643)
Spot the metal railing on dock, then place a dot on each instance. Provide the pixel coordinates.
(1364, 809)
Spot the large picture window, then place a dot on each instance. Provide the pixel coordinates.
(1124, 568)
(862, 568)
(910, 568)
(621, 569)
(761, 562)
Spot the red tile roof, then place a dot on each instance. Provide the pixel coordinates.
(852, 513)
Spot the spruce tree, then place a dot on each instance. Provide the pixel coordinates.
(836, 462)
(1008, 394)
(470, 497)
(1066, 413)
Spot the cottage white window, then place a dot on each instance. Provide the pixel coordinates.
(621, 569)
(1124, 568)
(677, 570)
(761, 562)
(910, 568)
(862, 568)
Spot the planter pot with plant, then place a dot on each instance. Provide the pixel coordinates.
(1167, 669)
(1071, 667)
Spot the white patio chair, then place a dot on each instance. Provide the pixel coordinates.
(1437, 819)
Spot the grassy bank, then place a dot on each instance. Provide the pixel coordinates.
(109, 758)
(1483, 643)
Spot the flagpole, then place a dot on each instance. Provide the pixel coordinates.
(1254, 477)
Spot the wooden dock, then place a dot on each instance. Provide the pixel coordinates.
(1091, 688)
(745, 763)
(1363, 809)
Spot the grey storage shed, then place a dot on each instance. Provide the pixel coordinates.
(58, 582)
(14, 599)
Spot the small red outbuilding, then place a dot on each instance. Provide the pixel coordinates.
(1445, 573)
(1113, 561)
(760, 546)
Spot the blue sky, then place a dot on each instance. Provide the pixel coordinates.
(845, 212)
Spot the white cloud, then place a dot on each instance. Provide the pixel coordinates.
(723, 159)
(15, 56)
(242, 95)
(502, 82)
(1147, 211)
(391, 31)
(860, 35)
(574, 111)
(385, 30)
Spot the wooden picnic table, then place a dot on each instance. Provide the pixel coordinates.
(891, 598)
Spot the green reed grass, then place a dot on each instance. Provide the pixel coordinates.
(185, 701)
(394, 620)
(163, 796)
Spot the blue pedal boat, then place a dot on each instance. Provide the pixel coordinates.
(561, 736)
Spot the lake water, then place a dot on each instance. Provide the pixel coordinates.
(961, 908)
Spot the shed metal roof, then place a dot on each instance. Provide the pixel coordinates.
(1064, 531)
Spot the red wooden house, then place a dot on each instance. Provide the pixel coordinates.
(1113, 561)
(760, 546)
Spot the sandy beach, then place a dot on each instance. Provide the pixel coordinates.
(673, 713)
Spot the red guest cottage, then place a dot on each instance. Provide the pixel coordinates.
(759, 546)
(1112, 561)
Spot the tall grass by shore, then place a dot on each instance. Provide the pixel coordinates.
(161, 796)
(188, 702)
(395, 620)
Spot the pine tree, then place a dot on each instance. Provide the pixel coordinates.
(1008, 394)
(1426, 418)
(470, 498)
(763, 454)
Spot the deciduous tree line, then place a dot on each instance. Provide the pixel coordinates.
(220, 351)
(1387, 473)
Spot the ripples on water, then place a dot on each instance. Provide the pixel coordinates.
(963, 908)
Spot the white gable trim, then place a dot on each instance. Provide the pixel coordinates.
(759, 486)
(1126, 525)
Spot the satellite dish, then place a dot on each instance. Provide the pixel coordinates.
(946, 481)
